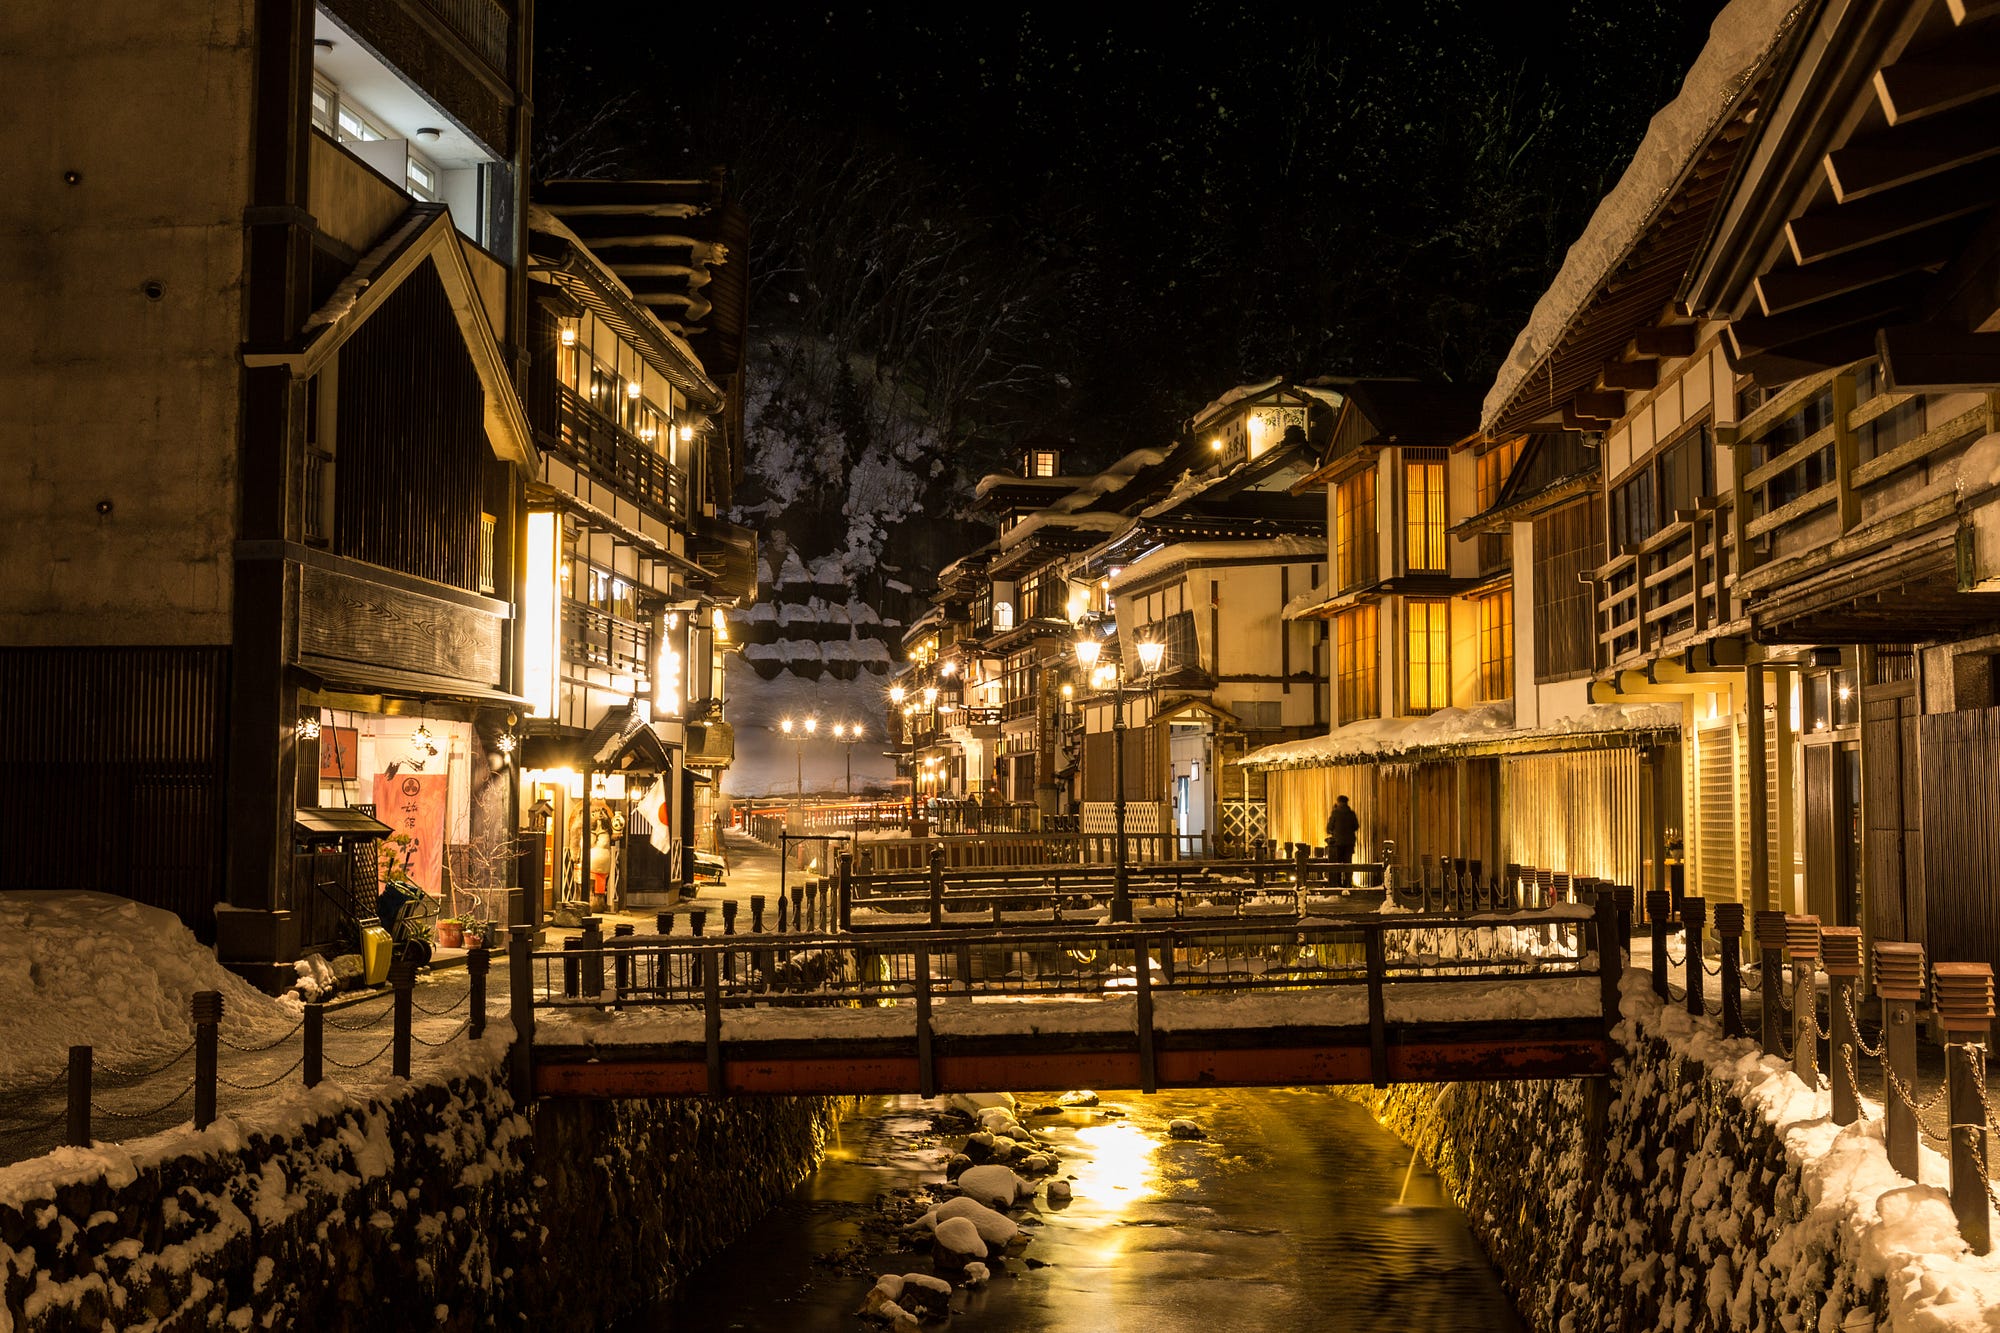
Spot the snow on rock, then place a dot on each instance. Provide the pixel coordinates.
(1080, 1097)
(91, 969)
(970, 1104)
(995, 1186)
(910, 1296)
(1185, 1129)
(992, 1228)
(976, 1274)
(957, 1242)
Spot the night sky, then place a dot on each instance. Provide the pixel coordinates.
(1106, 219)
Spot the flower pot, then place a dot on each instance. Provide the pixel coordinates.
(451, 935)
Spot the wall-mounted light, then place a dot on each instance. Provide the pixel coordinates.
(568, 336)
(307, 727)
(673, 620)
(430, 133)
(505, 743)
(687, 433)
(1216, 444)
(632, 389)
(895, 694)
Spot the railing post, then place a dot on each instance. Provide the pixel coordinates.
(207, 1006)
(1610, 962)
(711, 1020)
(312, 1060)
(1841, 946)
(521, 1009)
(1378, 1024)
(1728, 941)
(937, 886)
(926, 1066)
(477, 960)
(1963, 994)
(729, 928)
(845, 906)
(593, 957)
(402, 984)
(799, 907)
(783, 915)
(1694, 915)
(1142, 972)
(1899, 984)
(621, 964)
(1770, 927)
(79, 1097)
(1622, 895)
(1657, 906)
(698, 921)
(1802, 943)
(757, 914)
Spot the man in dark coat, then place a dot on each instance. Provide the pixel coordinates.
(1342, 828)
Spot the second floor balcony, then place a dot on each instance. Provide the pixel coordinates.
(619, 459)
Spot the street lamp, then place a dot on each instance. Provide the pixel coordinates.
(848, 735)
(798, 736)
(1088, 649)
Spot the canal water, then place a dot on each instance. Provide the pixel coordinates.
(1284, 1217)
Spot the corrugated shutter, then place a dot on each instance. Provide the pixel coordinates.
(1716, 842)
(1575, 812)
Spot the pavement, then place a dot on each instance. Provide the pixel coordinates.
(753, 870)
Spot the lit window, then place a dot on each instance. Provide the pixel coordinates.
(323, 98)
(1430, 655)
(1354, 640)
(1354, 531)
(1496, 645)
(1424, 498)
(355, 127)
(1494, 466)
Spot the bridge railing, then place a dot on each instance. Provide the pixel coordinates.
(830, 971)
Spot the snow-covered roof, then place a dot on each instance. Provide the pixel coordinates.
(1174, 553)
(1113, 478)
(1383, 737)
(1235, 396)
(1035, 523)
(1739, 40)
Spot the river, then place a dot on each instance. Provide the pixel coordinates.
(1284, 1217)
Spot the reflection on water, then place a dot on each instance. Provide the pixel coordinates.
(1284, 1217)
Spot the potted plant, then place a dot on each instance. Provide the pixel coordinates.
(451, 933)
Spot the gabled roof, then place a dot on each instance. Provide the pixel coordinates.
(1405, 412)
(1623, 271)
(424, 234)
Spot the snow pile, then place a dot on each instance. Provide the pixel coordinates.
(90, 969)
(994, 1185)
(995, 1231)
(1385, 737)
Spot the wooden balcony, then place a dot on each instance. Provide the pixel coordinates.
(1671, 589)
(614, 456)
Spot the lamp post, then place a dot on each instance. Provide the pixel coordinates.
(1088, 649)
(847, 735)
(797, 735)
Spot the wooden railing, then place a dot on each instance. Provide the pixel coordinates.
(614, 456)
(1674, 584)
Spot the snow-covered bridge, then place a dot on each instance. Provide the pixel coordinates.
(1376, 998)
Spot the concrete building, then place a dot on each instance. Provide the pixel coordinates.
(265, 269)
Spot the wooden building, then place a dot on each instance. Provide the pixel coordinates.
(272, 439)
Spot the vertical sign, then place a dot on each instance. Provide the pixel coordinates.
(413, 806)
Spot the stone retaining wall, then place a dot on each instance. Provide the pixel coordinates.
(1691, 1216)
(442, 1208)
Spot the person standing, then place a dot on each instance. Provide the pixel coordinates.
(1343, 826)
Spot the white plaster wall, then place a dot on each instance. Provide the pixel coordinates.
(107, 395)
(1527, 698)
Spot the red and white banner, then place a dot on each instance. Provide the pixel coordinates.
(413, 805)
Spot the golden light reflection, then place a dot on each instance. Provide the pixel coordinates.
(1116, 1161)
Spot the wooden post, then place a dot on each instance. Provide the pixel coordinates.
(937, 886)
(79, 1097)
(711, 1020)
(1142, 973)
(698, 921)
(782, 915)
(572, 967)
(1378, 1026)
(402, 982)
(1656, 917)
(621, 964)
(1802, 943)
(1899, 984)
(798, 907)
(926, 1065)
(1841, 946)
(207, 1006)
(1622, 895)
(1694, 915)
(313, 1060)
(521, 1010)
(1770, 928)
(477, 960)
(1728, 941)
(846, 904)
(593, 957)
(1963, 995)
(757, 913)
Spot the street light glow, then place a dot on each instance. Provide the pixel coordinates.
(1087, 650)
(786, 726)
(895, 694)
(1151, 651)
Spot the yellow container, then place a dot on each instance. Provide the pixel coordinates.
(376, 947)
